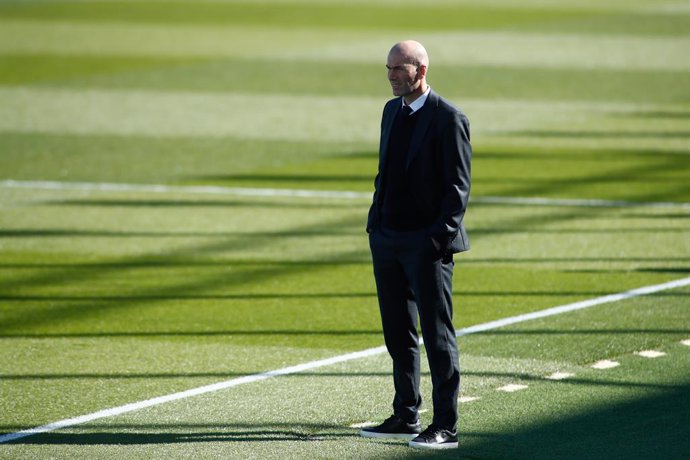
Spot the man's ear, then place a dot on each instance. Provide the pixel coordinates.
(421, 71)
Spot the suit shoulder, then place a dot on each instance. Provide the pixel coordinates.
(446, 106)
(451, 111)
(392, 103)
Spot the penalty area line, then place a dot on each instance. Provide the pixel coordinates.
(646, 290)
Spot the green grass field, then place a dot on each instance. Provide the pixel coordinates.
(117, 294)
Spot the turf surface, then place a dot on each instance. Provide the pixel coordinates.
(113, 297)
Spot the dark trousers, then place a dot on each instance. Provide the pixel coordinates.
(413, 279)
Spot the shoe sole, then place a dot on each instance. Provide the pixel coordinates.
(370, 434)
(424, 445)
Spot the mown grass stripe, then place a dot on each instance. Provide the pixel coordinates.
(333, 118)
(299, 14)
(333, 360)
(443, 16)
(494, 48)
(302, 77)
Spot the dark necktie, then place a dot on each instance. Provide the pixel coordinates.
(407, 110)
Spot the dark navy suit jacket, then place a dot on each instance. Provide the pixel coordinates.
(438, 170)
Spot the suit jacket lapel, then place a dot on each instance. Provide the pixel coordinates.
(423, 123)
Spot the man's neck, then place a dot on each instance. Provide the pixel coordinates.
(416, 94)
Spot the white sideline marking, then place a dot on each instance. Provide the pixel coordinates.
(189, 393)
(467, 399)
(575, 306)
(686, 342)
(334, 360)
(196, 189)
(650, 353)
(512, 388)
(605, 364)
(560, 375)
(342, 194)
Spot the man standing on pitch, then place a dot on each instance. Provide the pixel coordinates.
(415, 226)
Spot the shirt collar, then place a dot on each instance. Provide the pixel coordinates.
(419, 102)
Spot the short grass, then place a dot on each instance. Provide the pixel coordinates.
(108, 298)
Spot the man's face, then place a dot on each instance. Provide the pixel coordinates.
(403, 76)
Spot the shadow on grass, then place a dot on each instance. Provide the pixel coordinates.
(652, 427)
(86, 273)
(656, 169)
(189, 433)
(665, 270)
(572, 155)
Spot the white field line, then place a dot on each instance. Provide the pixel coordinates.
(338, 194)
(575, 306)
(189, 393)
(192, 189)
(334, 360)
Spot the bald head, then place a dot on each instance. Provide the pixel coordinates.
(411, 52)
(407, 65)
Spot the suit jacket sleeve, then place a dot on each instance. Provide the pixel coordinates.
(388, 112)
(448, 229)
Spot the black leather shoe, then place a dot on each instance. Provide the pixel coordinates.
(435, 438)
(393, 428)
